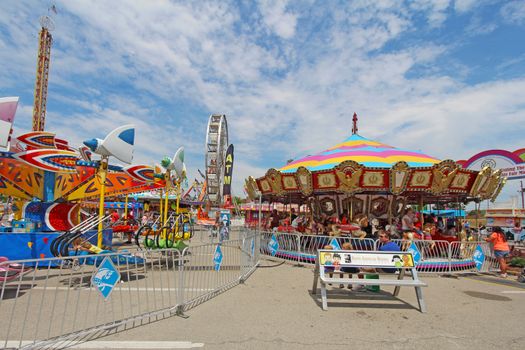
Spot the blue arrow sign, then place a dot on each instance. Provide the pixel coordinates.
(478, 257)
(273, 245)
(335, 244)
(106, 277)
(416, 254)
(217, 258)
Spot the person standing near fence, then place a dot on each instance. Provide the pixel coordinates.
(501, 248)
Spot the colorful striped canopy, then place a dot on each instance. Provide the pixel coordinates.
(371, 154)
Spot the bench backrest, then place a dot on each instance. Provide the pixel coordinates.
(373, 259)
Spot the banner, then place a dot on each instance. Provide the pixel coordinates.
(512, 164)
(228, 171)
(8, 107)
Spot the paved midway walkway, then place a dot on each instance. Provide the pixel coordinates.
(274, 310)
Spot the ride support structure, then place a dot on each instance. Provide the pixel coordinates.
(42, 73)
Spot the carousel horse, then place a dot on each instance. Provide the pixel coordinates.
(408, 238)
(465, 250)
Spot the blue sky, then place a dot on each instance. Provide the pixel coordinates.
(444, 77)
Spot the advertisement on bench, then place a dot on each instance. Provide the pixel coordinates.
(345, 259)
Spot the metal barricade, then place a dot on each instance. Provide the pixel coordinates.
(52, 301)
(435, 257)
(462, 257)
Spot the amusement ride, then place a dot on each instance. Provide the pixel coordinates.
(49, 182)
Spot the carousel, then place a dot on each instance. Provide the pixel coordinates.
(368, 181)
(364, 177)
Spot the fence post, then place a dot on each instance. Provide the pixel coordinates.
(180, 297)
(449, 257)
(298, 250)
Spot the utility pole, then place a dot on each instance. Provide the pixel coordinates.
(522, 190)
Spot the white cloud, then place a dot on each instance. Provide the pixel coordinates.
(436, 10)
(277, 19)
(463, 6)
(514, 12)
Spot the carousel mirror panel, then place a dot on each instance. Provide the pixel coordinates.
(353, 205)
(328, 206)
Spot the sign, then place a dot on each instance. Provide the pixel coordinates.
(335, 244)
(225, 217)
(106, 277)
(378, 259)
(416, 254)
(512, 164)
(479, 257)
(217, 258)
(273, 245)
(252, 247)
(228, 171)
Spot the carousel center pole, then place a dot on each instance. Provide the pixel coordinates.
(102, 173)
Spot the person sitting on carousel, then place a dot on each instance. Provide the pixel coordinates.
(362, 221)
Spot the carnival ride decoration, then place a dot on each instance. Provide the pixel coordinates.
(169, 231)
(119, 143)
(389, 178)
(8, 107)
(176, 229)
(216, 147)
(76, 243)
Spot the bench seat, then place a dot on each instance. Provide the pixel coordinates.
(375, 260)
(375, 282)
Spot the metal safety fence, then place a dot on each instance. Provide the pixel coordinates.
(435, 257)
(58, 302)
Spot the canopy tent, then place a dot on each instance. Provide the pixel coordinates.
(446, 213)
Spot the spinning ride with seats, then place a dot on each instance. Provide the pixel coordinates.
(364, 177)
(51, 183)
(168, 231)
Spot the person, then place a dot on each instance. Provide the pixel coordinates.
(114, 216)
(501, 248)
(387, 246)
(517, 231)
(408, 220)
(129, 219)
(274, 220)
(7, 220)
(293, 215)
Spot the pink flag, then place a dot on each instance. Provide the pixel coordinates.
(7, 116)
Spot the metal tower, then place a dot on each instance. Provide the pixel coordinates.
(42, 73)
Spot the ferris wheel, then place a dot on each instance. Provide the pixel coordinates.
(216, 146)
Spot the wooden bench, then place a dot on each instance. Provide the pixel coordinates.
(330, 262)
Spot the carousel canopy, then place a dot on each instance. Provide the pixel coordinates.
(362, 166)
(371, 154)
